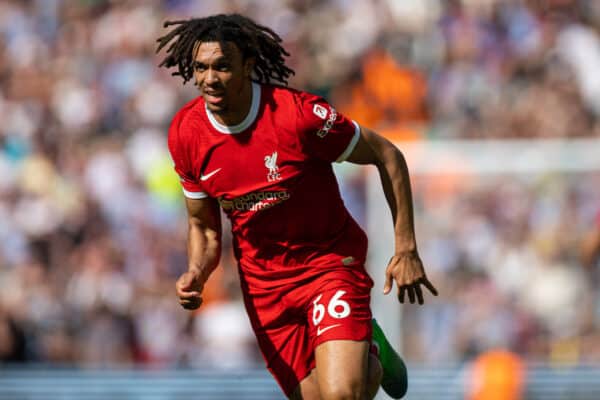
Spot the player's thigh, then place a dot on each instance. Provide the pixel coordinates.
(342, 369)
(308, 389)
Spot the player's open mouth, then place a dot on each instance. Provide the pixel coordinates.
(214, 97)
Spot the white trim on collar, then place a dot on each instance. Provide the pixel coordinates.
(242, 126)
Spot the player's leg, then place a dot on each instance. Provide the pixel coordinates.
(342, 369)
(345, 370)
(374, 377)
(309, 387)
(339, 321)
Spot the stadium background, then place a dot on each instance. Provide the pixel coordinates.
(495, 102)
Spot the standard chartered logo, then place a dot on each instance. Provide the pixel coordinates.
(255, 201)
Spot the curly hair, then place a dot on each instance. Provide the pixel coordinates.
(252, 40)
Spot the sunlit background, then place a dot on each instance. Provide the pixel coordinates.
(496, 104)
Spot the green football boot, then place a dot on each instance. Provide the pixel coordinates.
(395, 378)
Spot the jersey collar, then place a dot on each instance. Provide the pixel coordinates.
(242, 126)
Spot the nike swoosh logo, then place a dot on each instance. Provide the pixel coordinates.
(320, 331)
(207, 176)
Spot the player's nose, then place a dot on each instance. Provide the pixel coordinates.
(211, 77)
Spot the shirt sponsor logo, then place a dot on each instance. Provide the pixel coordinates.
(271, 164)
(255, 201)
(328, 124)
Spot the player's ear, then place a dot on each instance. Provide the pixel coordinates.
(249, 66)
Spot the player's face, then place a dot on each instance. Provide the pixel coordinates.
(223, 77)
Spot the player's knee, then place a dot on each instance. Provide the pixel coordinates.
(375, 370)
(348, 390)
(375, 373)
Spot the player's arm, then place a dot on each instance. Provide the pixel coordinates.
(204, 249)
(405, 267)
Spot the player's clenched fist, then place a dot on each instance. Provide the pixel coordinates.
(189, 289)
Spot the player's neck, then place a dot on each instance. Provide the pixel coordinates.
(237, 111)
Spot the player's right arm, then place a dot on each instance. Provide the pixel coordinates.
(204, 217)
(204, 250)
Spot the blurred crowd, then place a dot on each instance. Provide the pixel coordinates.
(516, 260)
(92, 225)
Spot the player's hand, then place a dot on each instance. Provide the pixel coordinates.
(407, 270)
(189, 289)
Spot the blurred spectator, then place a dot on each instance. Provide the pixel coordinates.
(497, 375)
(590, 245)
(12, 340)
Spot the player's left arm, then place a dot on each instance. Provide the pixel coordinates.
(405, 266)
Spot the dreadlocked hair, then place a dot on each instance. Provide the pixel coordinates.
(252, 39)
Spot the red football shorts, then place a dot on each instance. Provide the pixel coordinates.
(292, 321)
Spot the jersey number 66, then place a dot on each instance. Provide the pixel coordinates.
(337, 307)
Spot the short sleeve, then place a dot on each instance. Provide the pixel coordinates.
(325, 133)
(192, 187)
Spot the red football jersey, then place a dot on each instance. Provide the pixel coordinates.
(273, 178)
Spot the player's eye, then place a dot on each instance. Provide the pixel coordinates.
(199, 67)
(222, 67)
